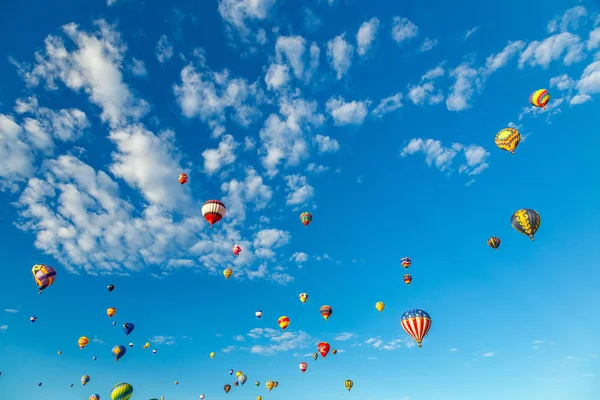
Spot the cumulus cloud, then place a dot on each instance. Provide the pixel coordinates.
(241, 16)
(403, 29)
(215, 159)
(164, 49)
(347, 113)
(388, 105)
(299, 191)
(366, 35)
(428, 44)
(339, 53)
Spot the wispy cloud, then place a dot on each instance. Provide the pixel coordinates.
(3, 328)
(11, 310)
(345, 336)
(166, 340)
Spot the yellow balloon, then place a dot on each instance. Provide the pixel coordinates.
(508, 139)
(258, 397)
(380, 305)
(212, 354)
(238, 374)
(348, 384)
(227, 273)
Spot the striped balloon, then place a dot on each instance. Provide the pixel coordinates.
(539, 98)
(305, 218)
(44, 276)
(416, 323)
(94, 397)
(121, 391)
(213, 211)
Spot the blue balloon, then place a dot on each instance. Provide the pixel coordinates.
(128, 327)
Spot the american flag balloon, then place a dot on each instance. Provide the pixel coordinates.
(405, 261)
(416, 323)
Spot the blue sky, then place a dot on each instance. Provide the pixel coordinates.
(378, 118)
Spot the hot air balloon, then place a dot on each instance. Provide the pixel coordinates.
(380, 305)
(183, 178)
(59, 352)
(121, 391)
(213, 211)
(94, 397)
(202, 397)
(494, 242)
(303, 366)
(83, 341)
(111, 312)
(44, 276)
(227, 272)
(110, 288)
(258, 314)
(326, 312)
(242, 379)
(94, 358)
(334, 352)
(212, 354)
(508, 139)
(315, 356)
(405, 261)
(539, 98)
(348, 384)
(40, 384)
(275, 384)
(32, 319)
(85, 379)
(154, 351)
(231, 372)
(303, 297)
(227, 388)
(407, 279)
(416, 323)
(235, 383)
(146, 345)
(305, 218)
(130, 344)
(114, 323)
(176, 382)
(71, 385)
(283, 322)
(323, 348)
(128, 327)
(118, 352)
(257, 383)
(238, 374)
(270, 385)
(526, 221)
(236, 250)
(258, 397)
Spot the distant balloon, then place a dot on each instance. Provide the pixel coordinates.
(44, 276)
(114, 323)
(305, 218)
(539, 98)
(323, 348)
(110, 288)
(94, 397)
(417, 324)
(405, 261)
(154, 351)
(236, 250)
(128, 327)
(508, 139)
(238, 374)
(121, 391)
(130, 344)
(83, 341)
(183, 178)
(315, 356)
(242, 379)
(258, 314)
(227, 388)
(407, 279)
(231, 372)
(40, 384)
(94, 358)
(118, 352)
(526, 221)
(176, 382)
(348, 384)
(201, 397)
(85, 379)
(270, 385)
(33, 319)
(257, 383)
(259, 397)
(59, 352)
(236, 383)
(380, 305)
(213, 211)
(111, 312)
(334, 352)
(227, 272)
(303, 366)
(212, 354)
(494, 242)
(303, 297)
(146, 345)
(326, 312)
(283, 322)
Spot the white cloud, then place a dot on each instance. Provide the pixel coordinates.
(291, 49)
(278, 341)
(299, 257)
(215, 159)
(138, 67)
(240, 14)
(166, 340)
(339, 53)
(164, 49)
(588, 84)
(345, 336)
(388, 105)
(428, 44)
(454, 349)
(11, 310)
(496, 61)
(571, 19)
(470, 32)
(277, 77)
(366, 35)
(403, 29)
(316, 168)
(562, 82)
(442, 157)
(299, 191)
(466, 81)
(394, 344)
(228, 349)
(16, 158)
(3, 328)
(347, 113)
(489, 354)
(563, 46)
(325, 144)
(239, 338)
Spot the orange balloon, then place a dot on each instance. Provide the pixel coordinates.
(283, 322)
(111, 311)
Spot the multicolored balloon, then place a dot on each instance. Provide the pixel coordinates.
(121, 391)
(82, 342)
(323, 348)
(85, 379)
(407, 279)
(380, 305)
(348, 384)
(44, 276)
(213, 211)
(283, 322)
(303, 366)
(305, 218)
(303, 297)
(508, 139)
(32, 319)
(183, 178)
(326, 312)
(270, 385)
(94, 397)
(539, 98)
(227, 388)
(236, 250)
(118, 352)
(227, 272)
(235, 383)
(405, 261)
(334, 352)
(111, 312)
(231, 372)
(494, 242)
(417, 324)
(110, 288)
(257, 383)
(526, 221)
(258, 314)
(315, 356)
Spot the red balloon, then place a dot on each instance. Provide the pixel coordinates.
(183, 178)
(236, 250)
(323, 348)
